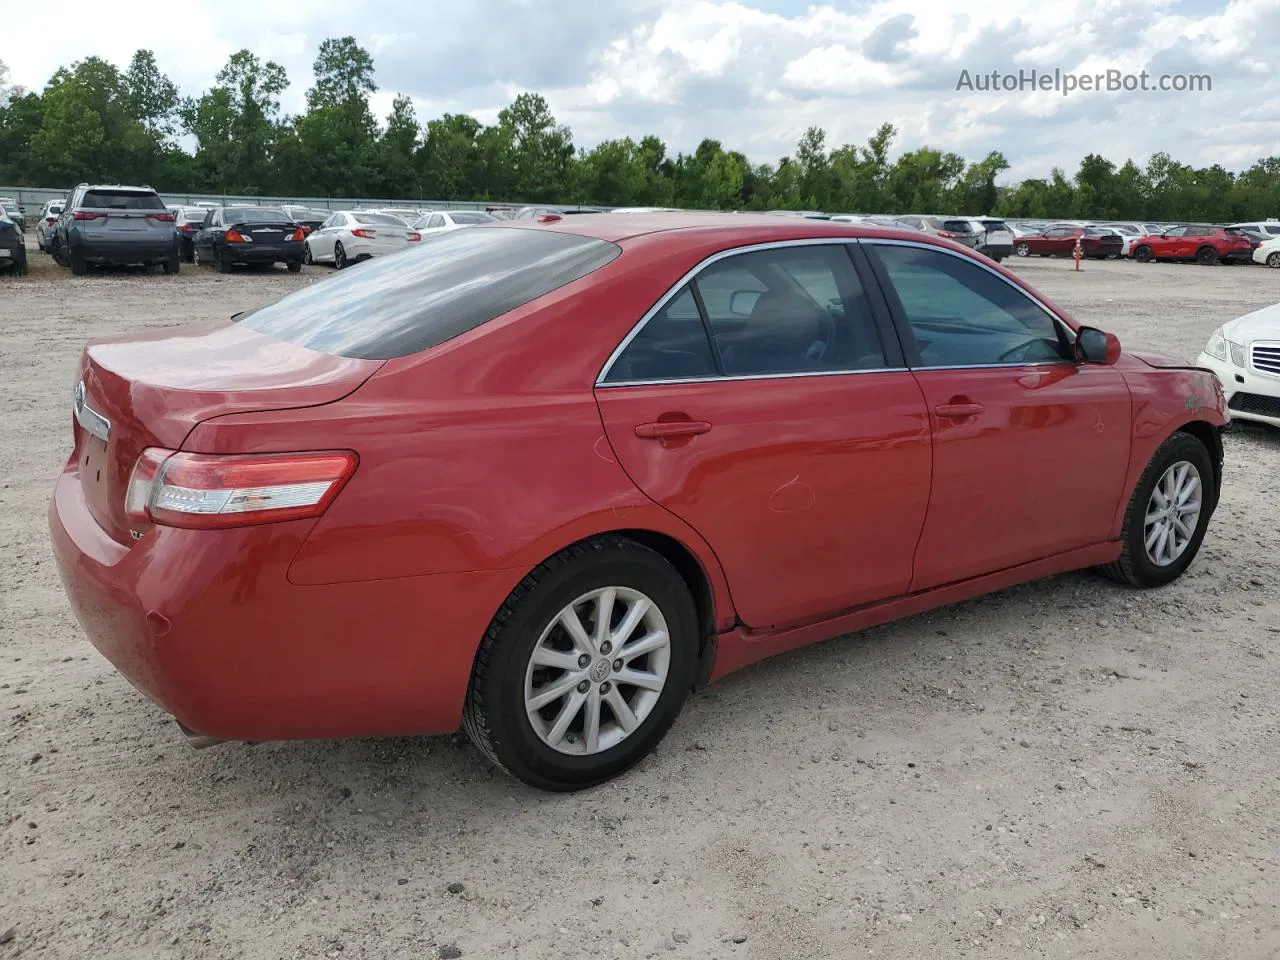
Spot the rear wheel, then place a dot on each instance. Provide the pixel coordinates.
(306, 254)
(1023, 249)
(78, 263)
(585, 666)
(1207, 255)
(1167, 515)
(339, 255)
(294, 266)
(172, 266)
(223, 262)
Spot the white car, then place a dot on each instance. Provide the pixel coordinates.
(1245, 356)
(1268, 252)
(350, 236)
(1268, 228)
(48, 217)
(442, 221)
(1126, 234)
(402, 213)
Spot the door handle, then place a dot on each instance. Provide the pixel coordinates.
(671, 429)
(958, 410)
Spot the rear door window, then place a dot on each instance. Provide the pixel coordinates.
(673, 345)
(451, 283)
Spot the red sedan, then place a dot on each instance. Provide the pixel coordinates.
(1061, 242)
(541, 479)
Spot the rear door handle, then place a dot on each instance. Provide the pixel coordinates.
(957, 410)
(671, 429)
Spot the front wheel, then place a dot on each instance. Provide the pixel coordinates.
(306, 254)
(1167, 516)
(1273, 260)
(1143, 255)
(585, 667)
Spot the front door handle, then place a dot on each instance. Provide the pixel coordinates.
(671, 429)
(958, 410)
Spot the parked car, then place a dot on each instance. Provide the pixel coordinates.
(258, 236)
(1268, 253)
(1245, 356)
(1199, 242)
(404, 214)
(350, 236)
(189, 221)
(1126, 243)
(14, 212)
(49, 214)
(995, 239)
(1269, 228)
(1095, 242)
(874, 221)
(115, 224)
(442, 221)
(305, 217)
(13, 247)
(532, 213)
(541, 483)
(958, 230)
(643, 210)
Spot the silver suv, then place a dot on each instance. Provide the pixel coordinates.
(114, 224)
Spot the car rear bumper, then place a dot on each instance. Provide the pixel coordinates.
(149, 250)
(1238, 256)
(1250, 396)
(997, 250)
(208, 626)
(357, 247)
(264, 252)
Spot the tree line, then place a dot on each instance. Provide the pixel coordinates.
(96, 122)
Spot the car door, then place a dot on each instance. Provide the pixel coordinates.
(1170, 244)
(765, 402)
(1030, 448)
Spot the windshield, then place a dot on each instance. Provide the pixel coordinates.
(397, 305)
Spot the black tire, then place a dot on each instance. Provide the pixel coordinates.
(294, 266)
(1023, 249)
(306, 254)
(1207, 256)
(79, 266)
(1273, 260)
(1143, 254)
(340, 261)
(1134, 567)
(222, 260)
(494, 716)
(188, 253)
(172, 266)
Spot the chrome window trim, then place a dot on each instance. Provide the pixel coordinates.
(751, 376)
(679, 284)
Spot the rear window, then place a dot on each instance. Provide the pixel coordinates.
(471, 216)
(398, 305)
(957, 226)
(255, 215)
(995, 225)
(122, 200)
(376, 218)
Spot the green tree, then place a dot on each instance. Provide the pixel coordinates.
(338, 136)
(397, 149)
(539, 151)
(449, 159)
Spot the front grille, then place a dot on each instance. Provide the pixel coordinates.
(1256, 404)
(1266, 357)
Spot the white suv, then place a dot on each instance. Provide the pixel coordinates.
(49, 214)
(995, 239)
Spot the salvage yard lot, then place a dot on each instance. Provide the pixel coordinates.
(1064, 769)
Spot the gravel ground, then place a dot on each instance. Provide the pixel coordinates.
(1064, 769)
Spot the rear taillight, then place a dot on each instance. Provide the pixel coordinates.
(50, 221)
(363, 234)
(86, 215)
(946, 234)
(414, 236)
(202, 491)
(165, 217)
(235, 236)
(305, 230)
(298, 234)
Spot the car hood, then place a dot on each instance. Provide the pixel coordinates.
(1161, 361)
(1262, 324)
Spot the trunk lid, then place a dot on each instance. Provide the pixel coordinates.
(150, 390)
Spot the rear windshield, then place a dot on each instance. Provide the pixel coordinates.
(122, 200)
(957, 226)
(385, 218)
(398, 305)
(995, 225)
(471, 216)
(255, 215)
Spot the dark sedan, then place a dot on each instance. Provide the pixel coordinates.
(308, 219)
(13, 247)
(1095, 242)
(250, 235)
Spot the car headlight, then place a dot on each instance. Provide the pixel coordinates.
(1237, 353)
(1217, 345)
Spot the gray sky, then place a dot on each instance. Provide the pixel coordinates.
(751, 73)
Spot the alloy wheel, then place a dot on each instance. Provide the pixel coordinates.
(1273, 261)
(597, 671)
(1173, 513)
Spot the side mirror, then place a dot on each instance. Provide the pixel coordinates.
(1095, 346)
